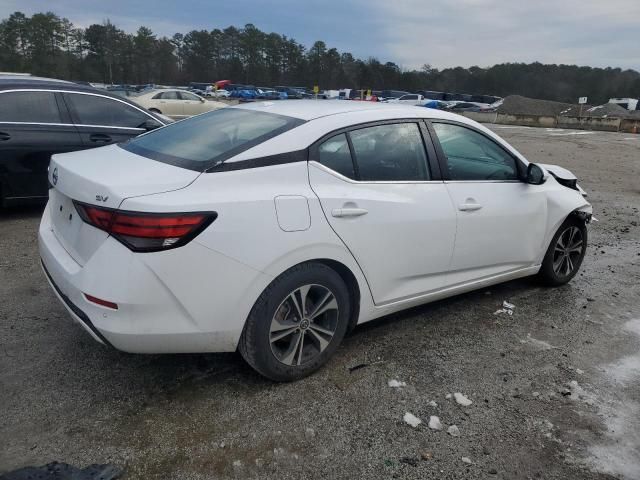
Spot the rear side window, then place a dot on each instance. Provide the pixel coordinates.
(472, 156)
(167, 96)
(31, 107)
(204, 141)
(94, 110)
(335, 154)
(189, 96)
(392, 152)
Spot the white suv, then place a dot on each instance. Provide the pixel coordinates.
(275, 228)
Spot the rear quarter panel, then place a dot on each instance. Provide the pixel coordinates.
(247, 231)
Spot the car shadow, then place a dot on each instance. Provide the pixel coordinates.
(21, 211)
(175, 375)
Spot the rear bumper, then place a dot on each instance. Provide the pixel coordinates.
(77, 314)
(189, 299)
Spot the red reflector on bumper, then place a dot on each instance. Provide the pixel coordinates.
(102, 303)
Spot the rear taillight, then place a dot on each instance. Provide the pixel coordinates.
(146, 232)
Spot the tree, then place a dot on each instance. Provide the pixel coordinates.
(45, 44)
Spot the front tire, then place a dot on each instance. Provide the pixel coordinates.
(297, 323)
(565, 253)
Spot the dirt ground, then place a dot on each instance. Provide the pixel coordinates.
(555, 387)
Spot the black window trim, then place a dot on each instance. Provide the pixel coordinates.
(432, 165)
(76, 119)
(70, 112)
(442, 158)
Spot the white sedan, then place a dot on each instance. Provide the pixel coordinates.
(275, 227)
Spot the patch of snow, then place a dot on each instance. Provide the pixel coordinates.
(462, 400)
(506, 308)
(433, 404)
(620, 410)
(434, 423)
(396, 384)
(540, 344)
(454, 431)
(466, 460)
(570, 133)
(447, 396)
(411, 419)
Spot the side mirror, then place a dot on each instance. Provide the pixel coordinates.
(150, 124)
(535, 175)
(202, 100)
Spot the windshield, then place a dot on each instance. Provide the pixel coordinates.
(204, 141)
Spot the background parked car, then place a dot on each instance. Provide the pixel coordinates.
(408, 99)
(124, 91)
(265, 93)
(220, 93)
(290, 91)
(176, 103)
(386, 94)
(40, 117)
(466, 107)
(436, 104)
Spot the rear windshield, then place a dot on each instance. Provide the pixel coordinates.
(201, 142)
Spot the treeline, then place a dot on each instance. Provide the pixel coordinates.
(47, 45)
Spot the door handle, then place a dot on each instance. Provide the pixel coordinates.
(4, 136)
(469, 207)
(348, 212)
(99, 138)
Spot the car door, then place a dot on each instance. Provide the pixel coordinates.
(192, 104)
(170, 104)
(102, 120)
(33, 126)
(383, 198)
(501, 219)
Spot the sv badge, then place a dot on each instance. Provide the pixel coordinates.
(100, 198)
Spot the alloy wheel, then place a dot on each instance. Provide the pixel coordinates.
(303, 324)
(568, 251)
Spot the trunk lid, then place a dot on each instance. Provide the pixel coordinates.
(103, 177)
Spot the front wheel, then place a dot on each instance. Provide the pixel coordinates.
(297, 323)
(565, 253)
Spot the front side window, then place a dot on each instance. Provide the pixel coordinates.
(472, 156)
(393, 152)
(30, 107)
(107, 112)
(335, 154)
(207, 140)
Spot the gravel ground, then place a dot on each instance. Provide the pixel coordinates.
(66, 398)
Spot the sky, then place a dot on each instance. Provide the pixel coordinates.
(442, 33)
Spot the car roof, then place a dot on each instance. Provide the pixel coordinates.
(8, 82)
(313, 109)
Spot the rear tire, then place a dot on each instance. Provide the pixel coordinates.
(565, 253)
(297, 323)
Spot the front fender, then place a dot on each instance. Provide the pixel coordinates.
(561, 202)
